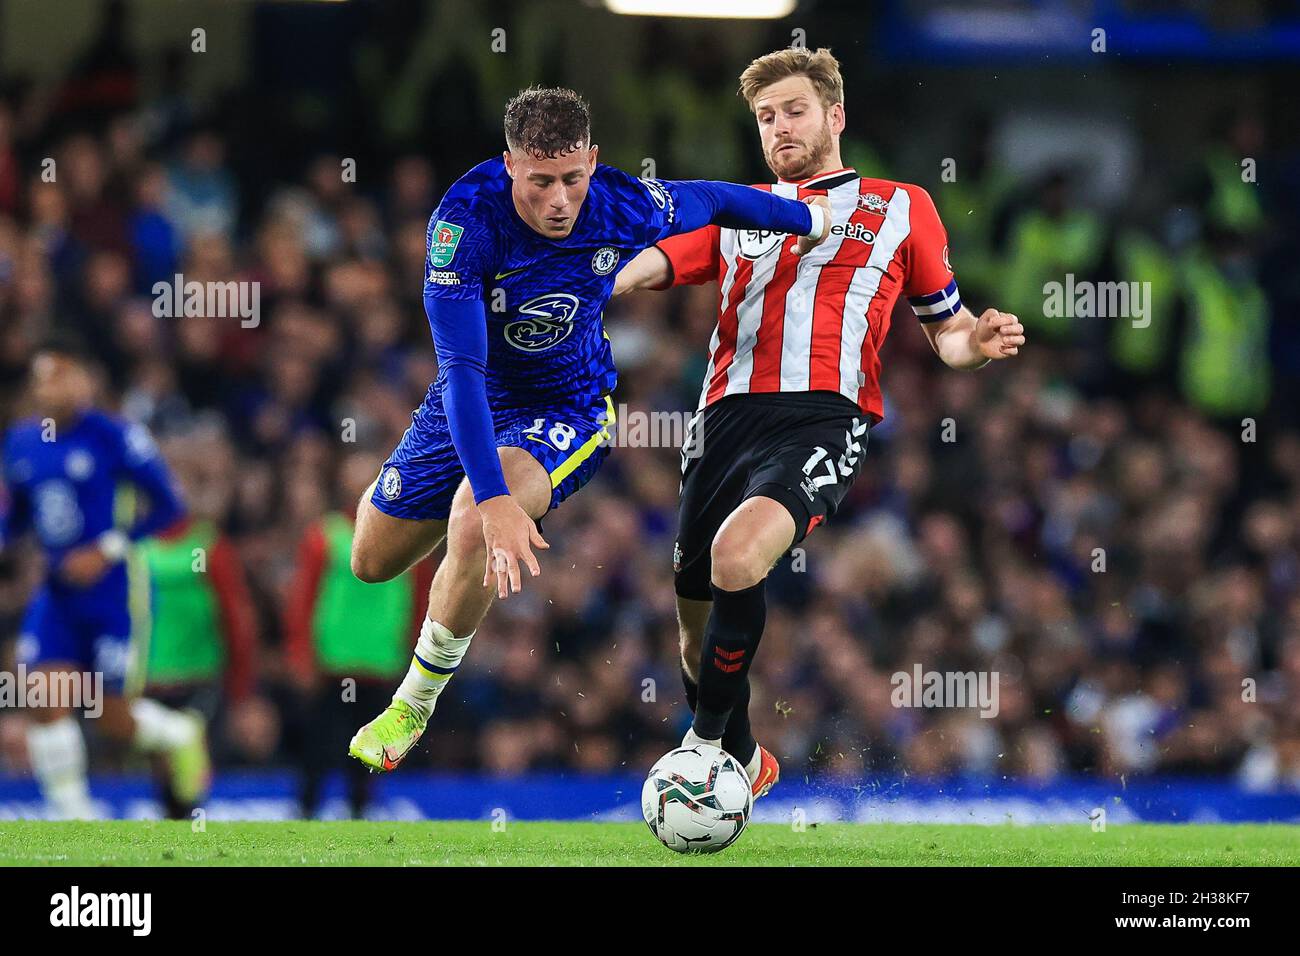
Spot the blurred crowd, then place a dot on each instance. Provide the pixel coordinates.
(1103, 522)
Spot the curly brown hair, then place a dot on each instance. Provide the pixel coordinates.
(547, 121)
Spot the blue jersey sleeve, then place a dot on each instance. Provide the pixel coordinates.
(461, 259)
(686, 205)
(460, 336)
(703, 203)
(461, 251)
(145, 468)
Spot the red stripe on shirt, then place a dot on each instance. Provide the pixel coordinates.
(727, 329)
(765, 375)
(870, 398)
(833, 283)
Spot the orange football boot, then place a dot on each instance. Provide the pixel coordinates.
(769, 772)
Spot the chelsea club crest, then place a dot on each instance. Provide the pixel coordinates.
(604, 261)
(390, 483)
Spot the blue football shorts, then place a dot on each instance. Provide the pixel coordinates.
(90, 629)
(420, 477)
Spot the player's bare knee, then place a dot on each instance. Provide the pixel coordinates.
(369, 571)
(369, 564)
(465, 536)
(737, 563)
(367, 559)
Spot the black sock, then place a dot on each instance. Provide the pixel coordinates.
(738, 740)
(730, 639)
(692, 690)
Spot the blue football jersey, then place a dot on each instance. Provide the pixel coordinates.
(65, 490)
(544, 298)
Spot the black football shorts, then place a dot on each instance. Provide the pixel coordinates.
(803, 449)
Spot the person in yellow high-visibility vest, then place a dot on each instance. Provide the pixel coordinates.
(345, 641)
(1224, 366)
(1143, 349)
(972, 195)
(1048, 242)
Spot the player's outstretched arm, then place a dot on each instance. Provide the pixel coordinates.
(460, 336)
(965, 342)
(703, 202)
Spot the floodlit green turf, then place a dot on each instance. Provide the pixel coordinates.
(122, 843)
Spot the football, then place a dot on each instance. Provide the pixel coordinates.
(697, 799)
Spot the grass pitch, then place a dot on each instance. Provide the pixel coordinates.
(349, 843)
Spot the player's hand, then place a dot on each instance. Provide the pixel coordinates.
(805, 245)
(85, 565)
(998, 335)
(508, 533)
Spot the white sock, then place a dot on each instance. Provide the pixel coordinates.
(57, 752)
(693, 739)
(160, 728)
(755, 763)
(438, 653)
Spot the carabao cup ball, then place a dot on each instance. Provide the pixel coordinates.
(697, 799)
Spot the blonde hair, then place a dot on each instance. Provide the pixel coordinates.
(821, 68)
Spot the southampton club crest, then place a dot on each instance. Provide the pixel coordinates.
(543, 322)
(873, 202)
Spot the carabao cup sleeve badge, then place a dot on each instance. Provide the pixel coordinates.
(442, 249)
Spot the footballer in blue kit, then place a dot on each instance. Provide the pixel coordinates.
(548, 371)
(72, 475)
(523, 252)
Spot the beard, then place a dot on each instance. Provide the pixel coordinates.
(805, 160)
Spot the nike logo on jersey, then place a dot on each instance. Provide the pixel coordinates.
(502, 275)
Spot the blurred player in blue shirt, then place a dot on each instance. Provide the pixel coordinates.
(71, 473)
(523, 253)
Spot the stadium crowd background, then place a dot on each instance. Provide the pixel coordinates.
(971, 554)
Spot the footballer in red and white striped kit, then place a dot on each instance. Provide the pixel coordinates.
(793, 383)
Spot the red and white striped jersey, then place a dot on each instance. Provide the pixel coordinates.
(791, 324)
